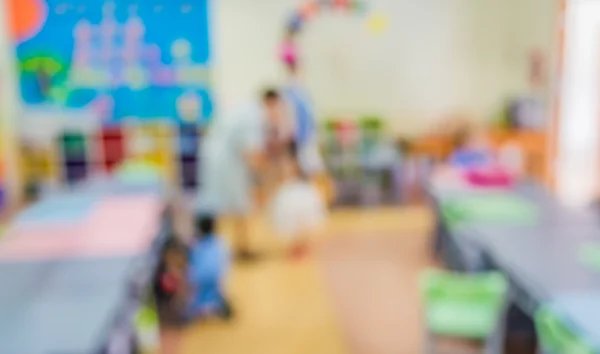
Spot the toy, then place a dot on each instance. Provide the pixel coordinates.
(491, 177)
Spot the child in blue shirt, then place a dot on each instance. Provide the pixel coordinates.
(208, 264)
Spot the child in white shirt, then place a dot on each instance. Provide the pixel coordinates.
(297, 210)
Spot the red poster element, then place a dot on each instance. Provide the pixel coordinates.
(27, 17)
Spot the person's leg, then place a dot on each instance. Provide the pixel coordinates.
(170, 340)
(300, 247)
(242, 238)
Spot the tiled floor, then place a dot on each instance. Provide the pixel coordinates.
(356, 292)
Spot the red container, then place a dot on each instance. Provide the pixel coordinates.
(112, 141)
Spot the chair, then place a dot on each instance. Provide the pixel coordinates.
(464, 306)
(555, 337)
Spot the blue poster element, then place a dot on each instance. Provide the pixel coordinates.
(123, 59)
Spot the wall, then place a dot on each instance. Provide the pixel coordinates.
(436, 57)
(10, 110)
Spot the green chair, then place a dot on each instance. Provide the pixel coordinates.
(464, 306)
(555, 337)
(371, 131)
(138, 172)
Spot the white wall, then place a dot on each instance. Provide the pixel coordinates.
(10, 105)
(437, 57)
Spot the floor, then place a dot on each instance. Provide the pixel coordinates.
(356, 292)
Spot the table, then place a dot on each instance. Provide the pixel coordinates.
(70, 279)
(463, 247)
(580, 310)
(541, 259)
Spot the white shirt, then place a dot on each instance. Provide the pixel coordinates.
(225, 177)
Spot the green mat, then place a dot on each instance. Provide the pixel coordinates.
(589, 254)
(555, 337)
(489, 208)
(461, 305)
(138, 172)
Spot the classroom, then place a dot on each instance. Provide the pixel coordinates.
(299, 176)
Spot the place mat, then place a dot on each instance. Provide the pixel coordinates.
(589, 254)
(119, 226)
(489, 208)
(59, 209)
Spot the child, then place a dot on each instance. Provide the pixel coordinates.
(471, 150)
(209, 261)
(298, 209)
(170, 290)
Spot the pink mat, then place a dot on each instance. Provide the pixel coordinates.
(118, 226)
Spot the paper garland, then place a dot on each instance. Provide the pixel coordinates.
(312, 7)
(299, 17)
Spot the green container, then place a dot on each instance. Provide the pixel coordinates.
(371, 124)
(74, 145)
(465, 306)
(489, 208)
(555, 337)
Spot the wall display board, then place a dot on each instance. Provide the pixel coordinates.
(116, 57)
(114, 60)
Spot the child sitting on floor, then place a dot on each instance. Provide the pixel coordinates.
(170, 288)
(298, 209)
(209, 262)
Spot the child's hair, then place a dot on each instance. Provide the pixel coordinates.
(270, 95)
(404, 146)
(460, 138)
(205, 225)
(173, 245)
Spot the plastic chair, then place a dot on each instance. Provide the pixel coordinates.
(461, 306)
(555, 337)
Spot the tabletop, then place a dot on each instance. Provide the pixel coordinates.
(542, 259)
(66, 266)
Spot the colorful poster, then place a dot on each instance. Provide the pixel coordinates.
(124, 60)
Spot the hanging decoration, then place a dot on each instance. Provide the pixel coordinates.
(377, 23)
(303, 14)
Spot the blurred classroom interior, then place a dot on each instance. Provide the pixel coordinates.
(299, 176)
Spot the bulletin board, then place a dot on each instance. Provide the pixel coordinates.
(124, 60)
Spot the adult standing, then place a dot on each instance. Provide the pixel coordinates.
(304, 119)
(233, 153)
